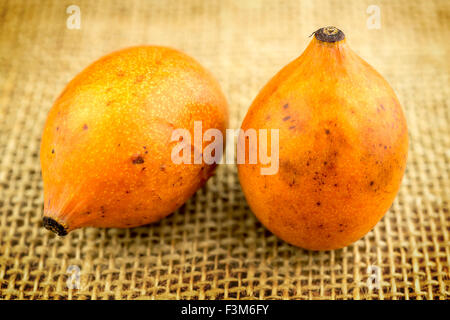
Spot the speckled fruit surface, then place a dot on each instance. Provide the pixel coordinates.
(343, 144)
(106, 146)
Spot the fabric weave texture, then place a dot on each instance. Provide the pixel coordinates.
(214, 247)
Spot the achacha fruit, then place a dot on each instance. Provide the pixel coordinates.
(343, 147)
(106, 146)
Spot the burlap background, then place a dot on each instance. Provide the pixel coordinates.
(214, 248)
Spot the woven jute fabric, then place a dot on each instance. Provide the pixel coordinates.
(214, 247)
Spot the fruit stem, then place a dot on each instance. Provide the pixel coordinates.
(329, 34)
(54, 226)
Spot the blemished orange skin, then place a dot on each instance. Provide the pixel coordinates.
(106, 146)
(343, 144)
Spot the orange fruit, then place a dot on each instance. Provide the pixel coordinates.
(343, 144)
(106, 146)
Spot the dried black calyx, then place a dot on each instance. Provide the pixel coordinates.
(329, 34)
(54, 226)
